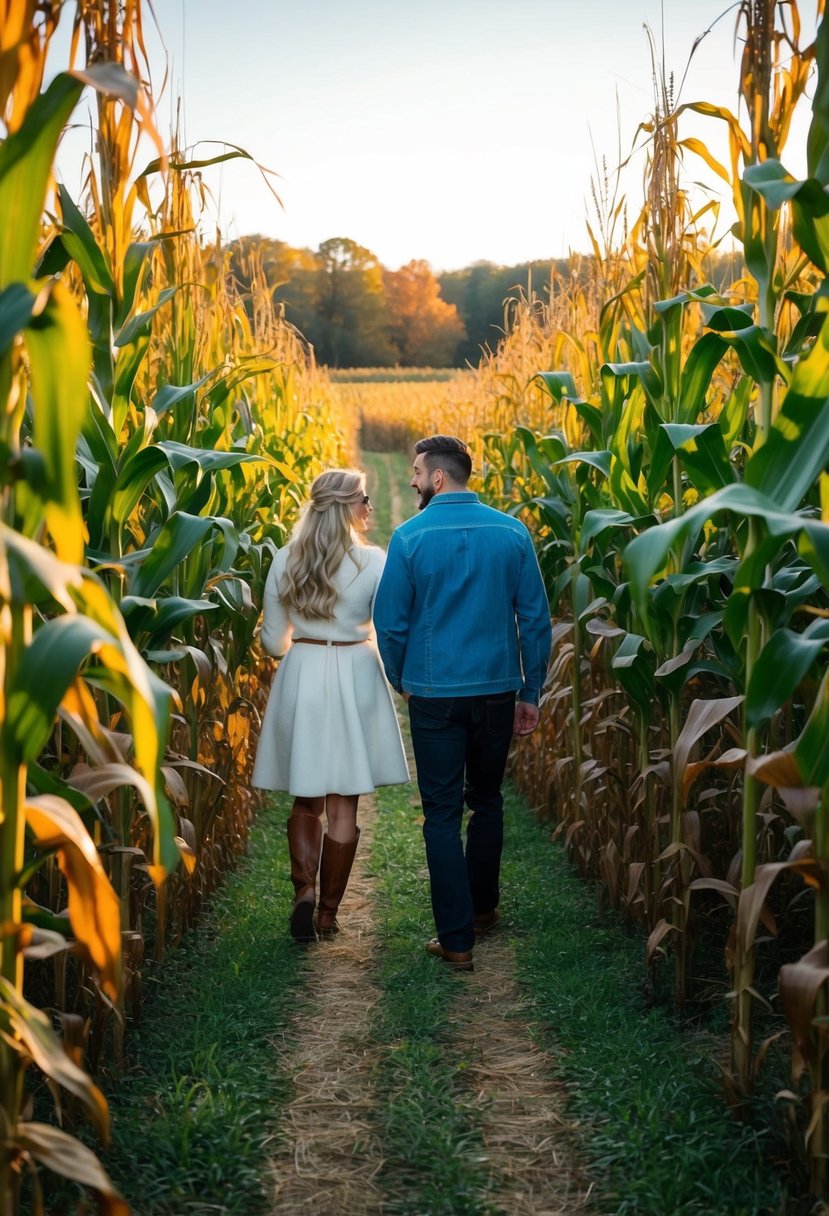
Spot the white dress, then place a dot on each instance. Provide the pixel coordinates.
(330, 725)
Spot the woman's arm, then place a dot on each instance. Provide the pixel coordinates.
(276, 624)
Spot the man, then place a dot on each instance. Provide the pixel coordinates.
(463, 624)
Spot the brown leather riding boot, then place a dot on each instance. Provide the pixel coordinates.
(304, 835)
(335, 867)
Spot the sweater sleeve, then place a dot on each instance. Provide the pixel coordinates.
(276, 624)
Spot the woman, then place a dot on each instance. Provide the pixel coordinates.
(330, 732)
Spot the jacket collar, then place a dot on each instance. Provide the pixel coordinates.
(452, 496)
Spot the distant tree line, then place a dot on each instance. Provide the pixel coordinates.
(357, 313)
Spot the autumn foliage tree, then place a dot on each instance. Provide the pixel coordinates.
(424, 329)
(350, 308)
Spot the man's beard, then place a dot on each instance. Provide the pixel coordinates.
(426, 496)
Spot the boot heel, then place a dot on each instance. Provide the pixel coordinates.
(302, 922)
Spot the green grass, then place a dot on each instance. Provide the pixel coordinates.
(658, 1137)
(431, 1129)
(203, 1093)
(386, 470)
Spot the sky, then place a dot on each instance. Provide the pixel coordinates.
(449, 130)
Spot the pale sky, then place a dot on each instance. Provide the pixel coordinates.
(450, 130)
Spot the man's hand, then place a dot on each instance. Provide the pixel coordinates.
(526, 718)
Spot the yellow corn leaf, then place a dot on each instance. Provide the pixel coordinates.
(94, 912)
(697, 146)
(80, 710)
(187, 855)
(30, 1032)
(97, 783)
(68, 1157)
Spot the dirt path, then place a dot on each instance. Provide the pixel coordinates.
(332, 1148)
(529, 1139)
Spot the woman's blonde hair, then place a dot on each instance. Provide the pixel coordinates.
(322, 537)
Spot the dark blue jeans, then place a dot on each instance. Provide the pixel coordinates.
(460, 746)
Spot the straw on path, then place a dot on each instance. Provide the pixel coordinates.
(530, 1142)
(330, 1148)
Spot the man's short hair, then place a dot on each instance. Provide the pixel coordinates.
(447, 453)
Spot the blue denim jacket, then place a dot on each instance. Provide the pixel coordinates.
(461, 608)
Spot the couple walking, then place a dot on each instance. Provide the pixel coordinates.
(462, 625)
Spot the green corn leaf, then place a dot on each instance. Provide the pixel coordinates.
(181, 166)
(16, 306)
(208, 461)
(45, 672)
(134, 261)
(558, 385)
(171, 394)
(139, 325)
(179, 536)
(732, 416)
(702, 361)
(796, 450)
(811, 751)
(635, 665)
(817, 141)
(702, 452)
(147, 700)
(594, 419)
(59, 359)
(783, 663)
(132, 480)
(647, 555)
(79, 241)
(809, 202)
(756, 347)
(595, 523)
(596, 460)
(813, 545)
(154, 618)
(700, 572)
(26, 158)
(628, 374)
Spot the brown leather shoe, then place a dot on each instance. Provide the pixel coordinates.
(458, 960)
(485, 922)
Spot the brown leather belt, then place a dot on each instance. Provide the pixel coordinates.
(324, 642)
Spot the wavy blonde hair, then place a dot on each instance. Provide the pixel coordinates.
(322, 537)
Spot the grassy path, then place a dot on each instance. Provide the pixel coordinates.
(329, 1142)
(361, 1076)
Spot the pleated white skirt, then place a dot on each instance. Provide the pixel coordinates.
(330, 726)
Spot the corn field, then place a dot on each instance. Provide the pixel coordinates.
(156, 442)
(390, 415)
(666, 442)
(669, 449)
